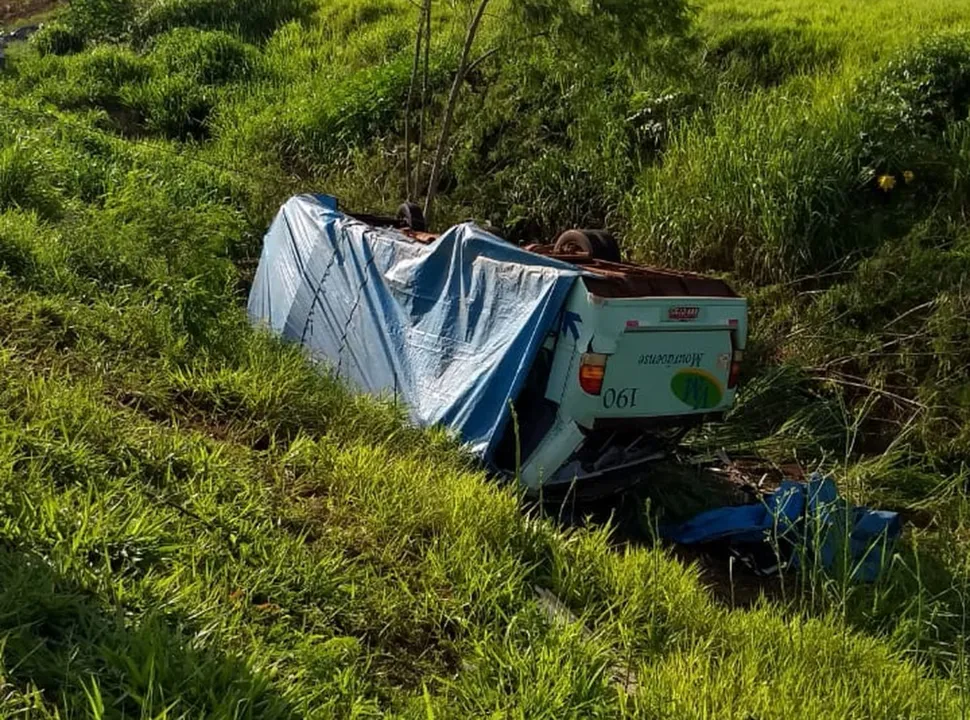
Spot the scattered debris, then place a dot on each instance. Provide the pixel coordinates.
(22, 33)
(801, 523)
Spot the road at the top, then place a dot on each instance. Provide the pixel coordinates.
(13, 12)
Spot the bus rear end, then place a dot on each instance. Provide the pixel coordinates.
(630, 374)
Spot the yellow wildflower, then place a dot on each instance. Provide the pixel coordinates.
(908, 176)
(886, 182)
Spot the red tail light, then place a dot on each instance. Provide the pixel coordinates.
(592, 369)
(735, 369)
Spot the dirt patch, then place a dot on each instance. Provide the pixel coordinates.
(14, 11)
(728, 580)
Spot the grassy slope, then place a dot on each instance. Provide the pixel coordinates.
(160, 557)
(865, 31)
(195, 523)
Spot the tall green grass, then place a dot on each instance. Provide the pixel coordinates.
(306, 571)
(198, 522)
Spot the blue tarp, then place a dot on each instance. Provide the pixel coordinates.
(808, 521)
(450, 328)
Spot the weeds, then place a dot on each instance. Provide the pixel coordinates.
(252, 19)
(58, 39)
(753, 56)
(205, 58)
(198, 522)
(25, 183)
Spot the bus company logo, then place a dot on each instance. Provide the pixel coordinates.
(680, 313)
(697, 388)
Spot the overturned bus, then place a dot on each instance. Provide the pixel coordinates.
(556, 364)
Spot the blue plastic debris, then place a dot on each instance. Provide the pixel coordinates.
(803, 522)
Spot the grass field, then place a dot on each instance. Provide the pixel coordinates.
(197, 523)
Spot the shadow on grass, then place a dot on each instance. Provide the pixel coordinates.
(88, 657)
(667, 492)
(919, 602)
(672, 492)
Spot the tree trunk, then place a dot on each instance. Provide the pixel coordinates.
(407, 107)
(450, 108)
(425, 98)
